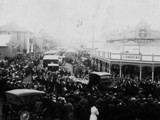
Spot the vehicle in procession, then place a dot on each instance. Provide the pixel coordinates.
(100, 78)
(54, 53)
(51, 61)
(22, 102)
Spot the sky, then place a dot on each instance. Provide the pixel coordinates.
(80, 20)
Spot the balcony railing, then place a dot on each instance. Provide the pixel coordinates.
(126, 56)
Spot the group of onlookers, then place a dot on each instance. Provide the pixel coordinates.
(14, 70)
(126, 99)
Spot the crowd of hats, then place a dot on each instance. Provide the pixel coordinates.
(14, 70)
(126, 99)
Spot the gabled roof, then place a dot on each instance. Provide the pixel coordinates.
(13, 27)
(4, 39)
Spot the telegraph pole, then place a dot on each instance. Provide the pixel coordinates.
(79, 25)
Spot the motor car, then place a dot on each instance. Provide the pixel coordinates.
(102, 80)
(22, 102)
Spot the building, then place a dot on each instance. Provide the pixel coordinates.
(20, 37)
(44, 41)
(4, 41)
(135, 51)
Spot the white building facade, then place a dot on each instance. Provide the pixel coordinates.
(135, 50)
(19, 40)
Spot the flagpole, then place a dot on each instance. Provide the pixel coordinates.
(93, 27)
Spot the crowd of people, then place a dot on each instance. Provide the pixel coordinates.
(14, 70)
(126, 99)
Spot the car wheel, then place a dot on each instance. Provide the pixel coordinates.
(25, 115)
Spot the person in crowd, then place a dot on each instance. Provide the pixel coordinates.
(5, 111)
(59, 108)
(39, 108)
(83, 109)
(68, 110)
(94, 113)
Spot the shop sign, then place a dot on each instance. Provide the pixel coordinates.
(131, 57)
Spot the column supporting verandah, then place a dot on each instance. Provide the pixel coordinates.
(140, 71)
(120, 70)
(152, 72)
(120, 66)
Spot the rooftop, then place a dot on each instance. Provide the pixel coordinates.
(13, 27)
